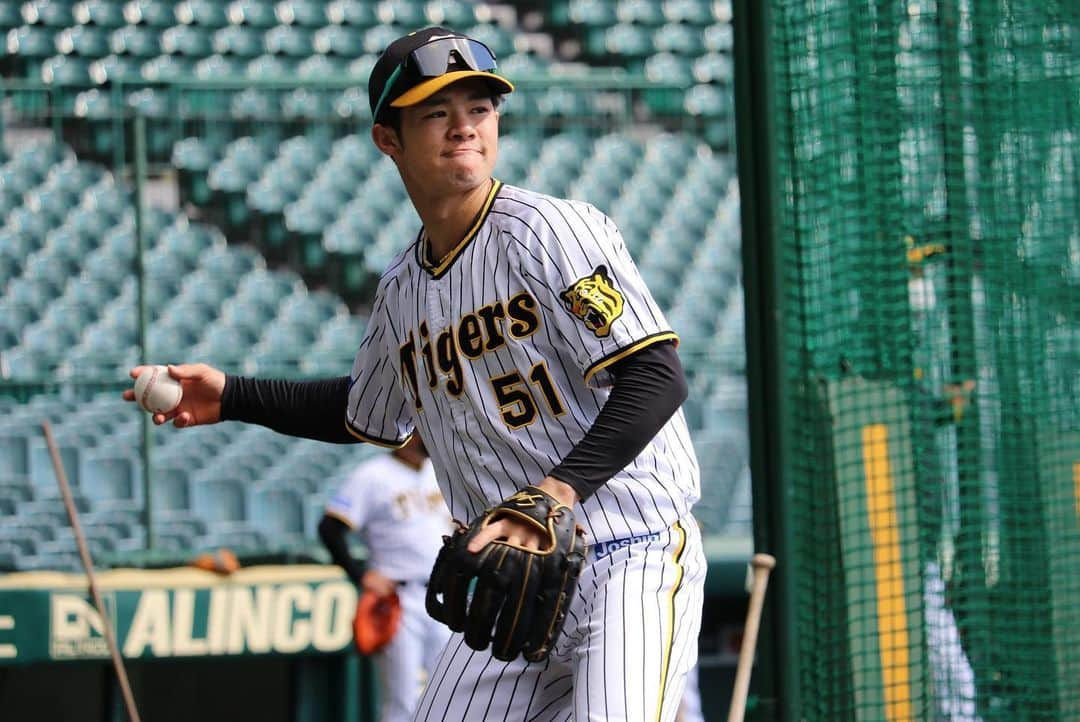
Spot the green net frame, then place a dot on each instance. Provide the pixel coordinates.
(927, 251)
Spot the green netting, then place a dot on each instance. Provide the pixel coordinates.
(929, 241)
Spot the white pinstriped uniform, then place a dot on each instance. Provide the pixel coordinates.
(400, 515)
(499, 356)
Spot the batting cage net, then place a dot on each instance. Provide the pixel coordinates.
(929, 282)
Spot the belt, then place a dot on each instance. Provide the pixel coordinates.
(414, 583)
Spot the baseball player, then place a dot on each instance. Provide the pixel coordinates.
(514, 332)
(393, 502)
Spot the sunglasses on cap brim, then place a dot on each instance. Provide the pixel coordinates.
(433, 59)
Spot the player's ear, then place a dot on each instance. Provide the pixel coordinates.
(386, 139)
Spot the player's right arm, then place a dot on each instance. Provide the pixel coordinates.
(309, 409)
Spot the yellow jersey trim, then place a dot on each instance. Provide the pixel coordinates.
(629, 350)
(448, 260)
(669, 642)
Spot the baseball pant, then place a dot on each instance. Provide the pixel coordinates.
(630, 638)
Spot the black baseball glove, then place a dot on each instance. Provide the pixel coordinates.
(519, 600)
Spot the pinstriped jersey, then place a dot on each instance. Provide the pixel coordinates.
(499, 355)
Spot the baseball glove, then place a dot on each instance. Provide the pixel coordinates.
(505, 595)
(376, 621)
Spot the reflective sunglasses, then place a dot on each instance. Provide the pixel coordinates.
(433, 59)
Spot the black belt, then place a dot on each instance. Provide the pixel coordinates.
(414, 583)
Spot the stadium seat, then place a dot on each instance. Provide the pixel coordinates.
(499, 40)
(244, 42)
(691, 12)
(31, 41)
(290, 40)
(406, 13)
(630, 41)
(89, 41)
(217, 66)
(154, 13)
(592, 13)
(667, 67)
(450, 13)
(204, 13)
(719, 38)
(714, 67)
(378, 37)
(190, 40)
(277, 511)
(306, 13)
(680, 39)
(344, 40)
(251, 12)
(360, 13)
(641, 12)
(66, 70)
(109, 473)
(52, 13)
(219, 499)
(114, 68)
(136, 40)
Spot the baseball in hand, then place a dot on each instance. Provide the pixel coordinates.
(156, 391)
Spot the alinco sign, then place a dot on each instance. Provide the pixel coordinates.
(296, 617)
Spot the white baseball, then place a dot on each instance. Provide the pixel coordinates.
(156, 391)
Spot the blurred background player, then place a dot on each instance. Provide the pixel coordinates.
(393, 502)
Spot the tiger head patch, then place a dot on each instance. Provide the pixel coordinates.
(595, 301)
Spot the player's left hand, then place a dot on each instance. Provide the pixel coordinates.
(514, 531)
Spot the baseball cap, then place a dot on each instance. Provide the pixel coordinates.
(416, 66)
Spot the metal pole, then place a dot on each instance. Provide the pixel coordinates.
(140, 286)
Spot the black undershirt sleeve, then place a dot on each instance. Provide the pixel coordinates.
(309, 409)
(334, 534)
(649, 388)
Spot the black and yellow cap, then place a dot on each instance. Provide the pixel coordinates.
(417, 65)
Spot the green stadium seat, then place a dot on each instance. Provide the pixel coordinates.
(88, 41)
(114, 69)
(307, 13)
(500, 41)
(343, 40)
(719, 38)
(109, 473)
(666, 67)
(154, 13)
(162, 69)
(54, 13)
(708, 100)
(406, 13)
(278, 511)
(190, 40)
(253, 13)
(640, 12)
(204, 13)
(217, 66)
(271, 67)
(320, 67)
(377, 38)
(253, 103)
(31, 41)
(631, 41)
(679, 38)
(591, 13)
(361, 68)
(245, 42)
(360, 13)
(691, 12)
(714, 68)
(450, 13)
(290, 40)
(220, 499)
(138, 40)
